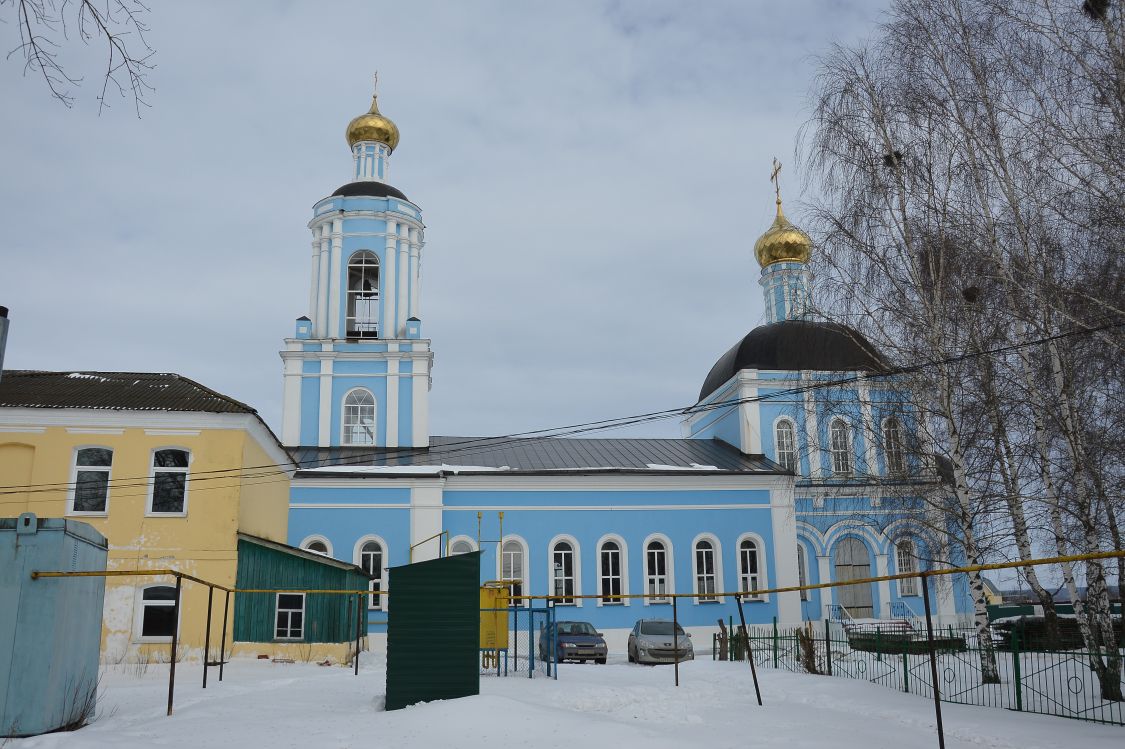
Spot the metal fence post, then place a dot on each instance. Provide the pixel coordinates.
(905, 670)
(827, 647)
(1016, 667)
(774, 642)
(933, 660)
(675, 640)
(749, 650)
(175, 642)
(223, 641)
(207, 635)
(358, 629)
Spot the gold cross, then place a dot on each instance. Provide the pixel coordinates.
(775, 178)
(375, 87)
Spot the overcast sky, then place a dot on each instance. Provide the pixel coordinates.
(593, 177)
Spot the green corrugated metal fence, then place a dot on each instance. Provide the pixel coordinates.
(433, 630)
(328, 617)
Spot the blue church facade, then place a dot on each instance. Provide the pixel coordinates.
(797, 464)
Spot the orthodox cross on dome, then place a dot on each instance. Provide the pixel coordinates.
(775, 178)
(375, 87)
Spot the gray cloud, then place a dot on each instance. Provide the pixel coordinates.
(593, 178)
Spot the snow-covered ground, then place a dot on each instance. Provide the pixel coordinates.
(623, 706)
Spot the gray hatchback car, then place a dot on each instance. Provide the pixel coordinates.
(653, 641)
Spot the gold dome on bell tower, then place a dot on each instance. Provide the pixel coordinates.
(783, 242)
(372, 125)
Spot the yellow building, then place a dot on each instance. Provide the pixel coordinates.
(168, 470)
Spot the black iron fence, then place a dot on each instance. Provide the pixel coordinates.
(1035, 679)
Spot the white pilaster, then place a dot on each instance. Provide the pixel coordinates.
(420, 383)
(403, 280)
(425, 519)
(812, 433)
(784, 520)
(387, 329)
(291, 403)
(392, 403)
(337, 249)
(315, 284)
(870, 431)
(324, 433)
(824, 569)
(881, 568)
(751, 419)
(415, 252)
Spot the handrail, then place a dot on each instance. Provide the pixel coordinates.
(410, 556)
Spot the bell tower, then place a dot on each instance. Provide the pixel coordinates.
(357, 369)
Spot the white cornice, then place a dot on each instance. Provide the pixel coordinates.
(565, 482)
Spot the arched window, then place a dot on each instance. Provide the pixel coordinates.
(802, 571)
(906, 561)
(512, 568)
(609, 573)
(748, 566)
(786, 443)
(840, 445)
(359, 418)
(705, 570)
(892, 446)
(169, 482)
(461, 546)
(562, 573)
(317, 547)
(371, 561)
(157, 620)
(656, 572)
(363, 295)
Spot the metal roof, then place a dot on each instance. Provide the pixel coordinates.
(117, 391)
(501, 455)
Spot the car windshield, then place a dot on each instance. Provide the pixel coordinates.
(659, 628)
(576, 628)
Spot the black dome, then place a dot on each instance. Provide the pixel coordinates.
(793, 345)
(370, 187)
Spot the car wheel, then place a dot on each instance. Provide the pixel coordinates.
(600, 661)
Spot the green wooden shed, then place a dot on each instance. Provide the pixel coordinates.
(294, 617)
(433, 630)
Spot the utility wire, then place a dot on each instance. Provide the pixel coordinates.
(489, 444)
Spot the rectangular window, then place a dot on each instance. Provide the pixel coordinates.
(91, 479)
(158, 612)
(611, 573)
(290, 616)
(656, 564)
(169, 481)
(562, 561)
(705, 571)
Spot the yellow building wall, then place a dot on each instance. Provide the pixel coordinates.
(203, 543)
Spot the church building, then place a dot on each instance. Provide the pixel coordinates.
(798, 463)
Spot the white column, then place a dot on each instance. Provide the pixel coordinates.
(314, 284)
(322, 286)
(415, 253)
(824, 569)
(784, 519)
(392, 402)
(403, 280)
(420, 398)
(387, 321)
(291, 402)
(337, 249)
(324, 434)
(750, 420)
(884, 586)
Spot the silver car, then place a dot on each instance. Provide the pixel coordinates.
(652, 641)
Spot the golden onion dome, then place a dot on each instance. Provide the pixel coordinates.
(782, 243)
(372, 125)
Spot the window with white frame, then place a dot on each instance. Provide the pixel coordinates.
(705, 570)
(906, 562)
(511, 568)
(802, 571)
(748, 566)
(461, 546)
(359, 418)
(169, 481)
(562, 573)
(91, 479)
(609, 570)
(840, 446)
(656, 572)
(892, 446)
(290, 616)
(785, 438)
(317, 546)
(371, 562)
(363, 295)
(158, 612)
